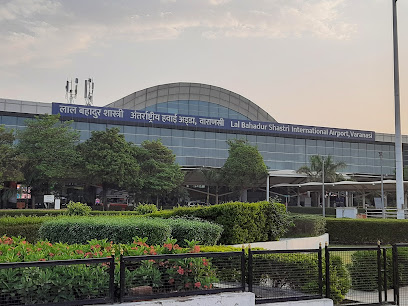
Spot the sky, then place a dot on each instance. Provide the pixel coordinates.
(311, 62)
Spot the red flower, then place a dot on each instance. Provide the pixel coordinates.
(168, 246)
(24, 242)
(187, 285)
(79, 252)
(205, 262)
(195, 249)
(171, 281)
(197, 285)
(180, 271)
(42, 259)
(51, 254)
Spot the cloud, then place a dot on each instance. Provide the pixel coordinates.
(48, 33)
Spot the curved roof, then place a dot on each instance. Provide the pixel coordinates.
(192, 92)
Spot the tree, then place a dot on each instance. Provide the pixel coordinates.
(111, 161)
(159, 172)
(49, 147)
(244, 167)
(331, 168)
(212, 177)
(10, 160)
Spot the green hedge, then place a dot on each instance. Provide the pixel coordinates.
(119, 230)
(123, 229)
(27, 227)
(205, 233)
(306, 226)
(242, 222)
(367, 231)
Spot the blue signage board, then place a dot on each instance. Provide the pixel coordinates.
(127, 116)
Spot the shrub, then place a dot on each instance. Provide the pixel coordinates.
(77, 209)
(22, 226)
(367, 231)
(143, 209)
(306, 226)
(123, 229)
(242, 222)
(77, 282)
(118, 230)
(203, 232)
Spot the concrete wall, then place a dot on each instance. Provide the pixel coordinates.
(225, 299)
(292, 243)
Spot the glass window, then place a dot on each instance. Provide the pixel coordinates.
(129, 129)
(9, 120)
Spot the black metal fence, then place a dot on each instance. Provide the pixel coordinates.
(59, 282)
(158, 276)
(285, 275)
(350, 276)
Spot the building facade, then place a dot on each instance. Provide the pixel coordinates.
(164, 112)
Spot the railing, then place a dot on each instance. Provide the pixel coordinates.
(387, 213)
(286, 275)
(58, 282)
(348, 275)
(169, 275)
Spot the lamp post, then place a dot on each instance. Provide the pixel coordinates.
(398, 140)
(323, 197)
(382, 185)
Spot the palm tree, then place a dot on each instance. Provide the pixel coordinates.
(331, 168)
(212, 177)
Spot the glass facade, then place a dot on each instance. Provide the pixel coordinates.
(195, 108)
(205, 148)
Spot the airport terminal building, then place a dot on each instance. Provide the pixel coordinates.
(195, 120)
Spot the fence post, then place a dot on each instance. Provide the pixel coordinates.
(122, 277)
(327, 258)
(320, 270)
(395, 272)
(250, 263)
(112, 277)
(379, 271)
(385, 274)
(243, 268)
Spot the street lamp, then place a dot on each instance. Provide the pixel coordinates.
(382, 185)
(323, 197)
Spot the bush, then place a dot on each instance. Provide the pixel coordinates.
(242, 222)
(22, 226)
(77, 209)
(201, 231)
(118, 230)
(143, 209)
(367, 231)
(306, 226)
(123, 229)
(22, 286)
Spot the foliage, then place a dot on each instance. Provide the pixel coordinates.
(143, 209)
(212, 177)
(203, 232)
(123, 229)
(160, 174)
(110, 160)
(306, 226)
(170, 274)
(242, 222)
(10, 160)
(22, 226)
(77, 282)
(244, 167)
(118, 230)
(49, 148)
(367, 231)
(77, 209)
(314, 172)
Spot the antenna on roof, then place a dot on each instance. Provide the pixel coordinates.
(71, 90)
(89, 89)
